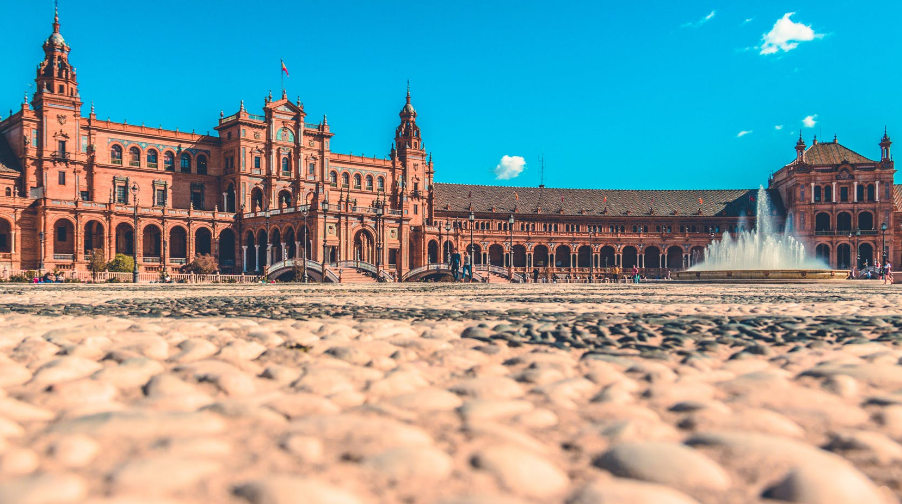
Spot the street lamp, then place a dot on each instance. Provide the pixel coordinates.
(883, 256)
(472, 219)
(857, 248)
(304, 212)
(379, 212)
(325, 206)
(41, 236)
(135, 190)
(510, 252)
(447, 252)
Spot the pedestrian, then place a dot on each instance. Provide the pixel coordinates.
(455, 265)
(468, 267)
(535, 275)
(635, 274)
(888, 273)
(339, 275)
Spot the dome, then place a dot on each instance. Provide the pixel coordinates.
(408, 109)
(56, 39)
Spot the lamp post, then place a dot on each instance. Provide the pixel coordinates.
(135, 190)
(304, 212)
(510, 252)
(883, 254)
(857, 249)
(447, 253)
(379, 212)
(592, 257)
(41, 236)
(472, 219)
(325, 206)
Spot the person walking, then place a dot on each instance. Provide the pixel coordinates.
(455, 265)
(535, 275)
(468, 267)
(888, 273)
(635, 274)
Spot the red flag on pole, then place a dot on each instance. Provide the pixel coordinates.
(285, 69)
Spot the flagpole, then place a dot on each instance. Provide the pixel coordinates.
(282, 74)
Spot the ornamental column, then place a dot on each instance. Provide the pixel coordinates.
(257, 257)
(284, 252)
(244, 258)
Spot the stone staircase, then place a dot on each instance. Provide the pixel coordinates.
(351, 275)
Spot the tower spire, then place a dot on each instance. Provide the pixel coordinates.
(56, 16)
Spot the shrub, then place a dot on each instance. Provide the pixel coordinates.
(20, 278)
(121, 264)
(203, 264)
(114, 280)
(96, 262)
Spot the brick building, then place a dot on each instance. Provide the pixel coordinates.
(266, 188)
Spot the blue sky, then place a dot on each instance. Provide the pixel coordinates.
(614, 94)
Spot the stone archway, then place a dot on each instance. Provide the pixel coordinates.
(365, 248)
(93, 237)
(519, 253)
(178, 245)
(674, 257)
(562, 256)
(584, 257)
(227, 248)
(152, 241)
(607, 257)
(125, 239)
(540, 257)
(64, 239)
(203, 241)
(250, 241)
(652, 257)
(629, 257)
(496, 255)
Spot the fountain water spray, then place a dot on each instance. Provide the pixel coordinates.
(762, 248)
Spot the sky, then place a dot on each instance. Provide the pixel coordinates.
(612, 94)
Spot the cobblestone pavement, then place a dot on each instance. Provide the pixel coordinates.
(438, 393)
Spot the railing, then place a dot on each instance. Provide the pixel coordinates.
(437, 267)
(151, 260)
(227, 119)
(6, 256)
(116, 161)
(228, 262)
(392, 211)
(135, 164)
(63, 156)
(311, 126)
(255, 117)
(63, 257)
(62, 202)
(825, 232)
(178, 260)
(360, 265)
(152, 165)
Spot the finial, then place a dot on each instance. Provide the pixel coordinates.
(270, 95)
(25, 97)
(834, 138)
(299, 101)
(284, 94)
(56, 16)
(221, 114)
(242, 106)
(325, 121)
(408, 90)
(92, 108)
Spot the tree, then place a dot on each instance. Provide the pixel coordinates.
(121, 264)
(203, 264)
(97, 262)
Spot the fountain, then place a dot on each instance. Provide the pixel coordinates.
(759, 254)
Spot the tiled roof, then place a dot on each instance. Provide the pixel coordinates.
(832, 153)
(8, 161)
(609, 202)
(897, 197)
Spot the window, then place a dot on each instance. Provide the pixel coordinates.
(871, 192)
(817, 193)
(380, 184)
(828, 194)
(243, 132)
(256, 164)
(197, 198)
(160, 197)
(61, 234)
(34, 138)
(311, 168)
(61, 146)
(860, 193)
(416, 209)
(169, 161)
(333, 179)
(843, 194)
(286, 169)
(369, 182)
(84, 143)
(121, 194)
(243, 157)
(85, 196)
(9, 191)
(134, 157)
(185, 162)
(62, 178)
(345, 179)
(228, 135)
(357, 181)
(202, 164)
(116, 155)
(151, 158)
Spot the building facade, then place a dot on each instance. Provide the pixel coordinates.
(267, 188)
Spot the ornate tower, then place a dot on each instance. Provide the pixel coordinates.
(800, 150)
(885, 143)
(411, 155)
(56, 80)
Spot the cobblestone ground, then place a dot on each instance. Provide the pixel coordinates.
(278, 394)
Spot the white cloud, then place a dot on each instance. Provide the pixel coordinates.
(778, 127)
(786, 35)
(810, 121)
(748, 20)
(700, 22)
(510, 167)
(743, 133)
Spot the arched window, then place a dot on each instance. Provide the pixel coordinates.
(871, 192)
(134, 157)
(169, 161)
(357, 181)
(333, 179)
(380, 184)
(9, 191)
(345, 178)
(369, 182)
(859, 193)
(817, 193)
(116, 155)
(185, 162)
(286, 169)
(151, 158)
(828, 194)
(202, 165)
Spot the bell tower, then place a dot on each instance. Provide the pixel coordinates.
(411, 154)
(885, 144)
(56, 80)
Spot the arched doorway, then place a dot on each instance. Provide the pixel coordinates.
(6, 237)
(866, 255)
(178, 245)
(125, 239)
(630, 256)
(276, 249)
(251, 254)
(865, 221)
(306, 239)
(432, 252)
(843, 256)
(540, 256)
(93, 237)
(519, 256)
(696, 256)
(64, 240)
(152, 238)
(652, 257)
(844, 222)
(230, 199)
(674, 257)
(562, 257)
(227, 248)
(475, 252)
(262, 248)
(447, 250)
(822, 222)
(607, 257)
(496, 255)
(290, 245)
(284, 199)
(364, 247)
(256, 199)
(584, 257)
(203, 241)
(822, 253)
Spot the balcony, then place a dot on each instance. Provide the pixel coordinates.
(116, 162)
(63, 257)
(311, 126)
(178, 260)
(60, 156)
(151, 260)
(152, 165)
(255, 117)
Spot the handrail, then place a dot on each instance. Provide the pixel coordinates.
(361, 265)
